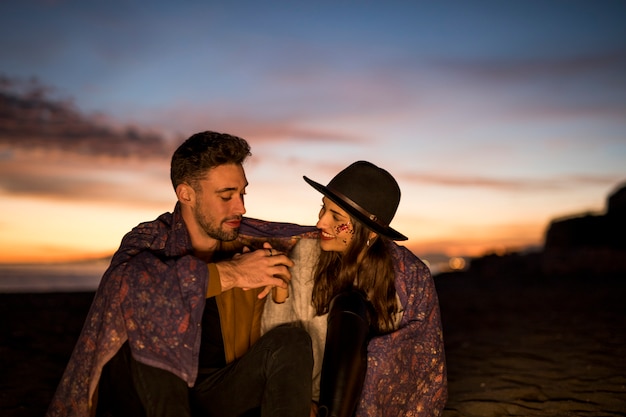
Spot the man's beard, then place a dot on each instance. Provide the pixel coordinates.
(214, 232)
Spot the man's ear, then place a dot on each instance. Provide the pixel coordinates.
(185, 194)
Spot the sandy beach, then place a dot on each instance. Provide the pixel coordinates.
(514, 347)
(555, 348)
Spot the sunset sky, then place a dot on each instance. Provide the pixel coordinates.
(495, 117)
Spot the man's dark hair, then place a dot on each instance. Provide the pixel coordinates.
(203, 151)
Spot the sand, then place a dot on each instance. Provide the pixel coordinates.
(520, 348)
(517, 347)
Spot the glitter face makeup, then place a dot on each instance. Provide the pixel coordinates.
(336, 231)
(347, 228)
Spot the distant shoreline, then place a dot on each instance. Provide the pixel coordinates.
(52, 277)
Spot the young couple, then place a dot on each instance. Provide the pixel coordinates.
(180, 325)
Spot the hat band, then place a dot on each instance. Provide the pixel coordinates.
(358, 208)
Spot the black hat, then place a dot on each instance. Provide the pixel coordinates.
(368, 193)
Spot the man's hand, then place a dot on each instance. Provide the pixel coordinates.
(265, 267)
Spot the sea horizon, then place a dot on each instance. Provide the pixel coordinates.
(77, 276)
(52, 277)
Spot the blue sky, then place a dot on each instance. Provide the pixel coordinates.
(495, 117)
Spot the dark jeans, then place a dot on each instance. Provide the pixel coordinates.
(272, 379)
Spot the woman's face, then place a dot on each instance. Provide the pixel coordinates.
(335, 226)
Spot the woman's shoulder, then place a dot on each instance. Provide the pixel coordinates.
(401, 254)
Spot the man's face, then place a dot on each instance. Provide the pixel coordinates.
(219, 202)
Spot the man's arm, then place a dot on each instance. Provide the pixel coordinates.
(260, 268)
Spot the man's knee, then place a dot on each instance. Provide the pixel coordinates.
(293, 333)
(292, 341)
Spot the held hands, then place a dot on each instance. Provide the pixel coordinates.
(265, 267)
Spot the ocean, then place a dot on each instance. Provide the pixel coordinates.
(69, 277)
(52, 277)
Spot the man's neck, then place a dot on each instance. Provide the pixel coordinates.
(203, 246)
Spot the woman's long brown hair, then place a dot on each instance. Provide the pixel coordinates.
(363, 267)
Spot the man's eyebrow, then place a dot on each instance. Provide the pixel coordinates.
(229, 189)
(225, 190)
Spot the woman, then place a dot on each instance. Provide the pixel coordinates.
(383, 348)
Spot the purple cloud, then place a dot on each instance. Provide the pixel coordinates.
(31, 119)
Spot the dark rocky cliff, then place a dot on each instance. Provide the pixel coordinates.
(588, 244)
(581, 246)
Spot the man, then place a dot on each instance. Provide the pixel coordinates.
(174, 328)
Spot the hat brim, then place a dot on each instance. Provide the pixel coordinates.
(382, 230)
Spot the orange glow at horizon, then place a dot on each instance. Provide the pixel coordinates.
(56, 230)
(52, 254)
(83, 227)
(90, 231)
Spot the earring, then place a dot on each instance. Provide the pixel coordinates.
(368, 242)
